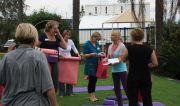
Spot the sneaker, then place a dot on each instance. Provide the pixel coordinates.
(86, 77)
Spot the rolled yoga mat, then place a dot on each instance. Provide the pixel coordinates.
(68, 70)
(109, 102)
(49, 51)
(114, 98)
(52, 58)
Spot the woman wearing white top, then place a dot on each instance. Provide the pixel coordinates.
(62, 54)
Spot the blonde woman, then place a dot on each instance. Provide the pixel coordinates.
(139, 76)
(24, 72)
(90, 50)
(51, 41)
(119, 70)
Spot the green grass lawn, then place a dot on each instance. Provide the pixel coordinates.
(163, 90)
(1, 56)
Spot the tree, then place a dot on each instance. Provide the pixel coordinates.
(9, 17)
(124, 1)
(20, 2)
(140, 19)
(76, 9)
(159, 25)
(82, 12)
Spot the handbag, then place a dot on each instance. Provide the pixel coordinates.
(102, 70)
(1, 90)
(139, 96)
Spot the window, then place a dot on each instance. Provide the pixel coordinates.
(95, 10)
(121, 9)
(106, 9)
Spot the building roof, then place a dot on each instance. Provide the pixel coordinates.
(94, 22)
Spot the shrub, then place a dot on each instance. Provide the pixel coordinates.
(170, 55)
(175, 38)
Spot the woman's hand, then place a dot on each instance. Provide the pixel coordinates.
(79, 56)
(11, 47)
(93, 54)
(59, 34)
(105, 60)
(112, 64)
(62, 56)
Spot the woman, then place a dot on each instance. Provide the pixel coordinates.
(139, 76)
(119, 70)
(24, 73)
(90, 50)
(62, 54)
(50, 41)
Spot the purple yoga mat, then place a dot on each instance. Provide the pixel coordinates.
(109, 102)
(114, 98)
(52, 58)
(154, 104)
(98, 88)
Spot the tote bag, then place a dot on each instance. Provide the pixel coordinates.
(102, 70)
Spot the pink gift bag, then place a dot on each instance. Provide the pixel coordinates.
(68, 70)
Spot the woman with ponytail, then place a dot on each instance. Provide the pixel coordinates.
(119, 70)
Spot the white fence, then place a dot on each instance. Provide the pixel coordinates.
(84, 34)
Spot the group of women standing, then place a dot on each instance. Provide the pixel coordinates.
(139, 56)
(30, 82)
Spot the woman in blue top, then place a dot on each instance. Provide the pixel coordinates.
(119, 70)
(90, 50)
(51, 41)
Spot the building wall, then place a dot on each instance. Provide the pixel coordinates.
(113, 9)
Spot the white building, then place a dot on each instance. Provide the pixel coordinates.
(96, 14)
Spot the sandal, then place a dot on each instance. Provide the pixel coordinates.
(93, 101)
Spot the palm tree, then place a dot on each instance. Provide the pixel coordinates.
(20, 14)
(76, 9)
(159, 25)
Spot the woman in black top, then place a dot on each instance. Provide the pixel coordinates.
(139, 76)
(51, 41)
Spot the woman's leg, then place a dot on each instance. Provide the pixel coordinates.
(69, 89)
(123, 77)
(91, 87)
(55, 74)
(145, 89)
(117, 89)
(94, 88)
(61, 89)
(133, 91)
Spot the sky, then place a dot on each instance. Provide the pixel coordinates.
(64, 7)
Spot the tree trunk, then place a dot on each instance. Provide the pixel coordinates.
(159, 25)
(20, 11)
(76, 10)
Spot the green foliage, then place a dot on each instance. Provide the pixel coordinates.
(152, 36)
(170, 55)
(175, 38)
(9, 18)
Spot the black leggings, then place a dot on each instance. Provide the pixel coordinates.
(92, 84)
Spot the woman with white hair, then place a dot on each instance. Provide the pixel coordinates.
(25, 74)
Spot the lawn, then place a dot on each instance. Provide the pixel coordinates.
(163, 90)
